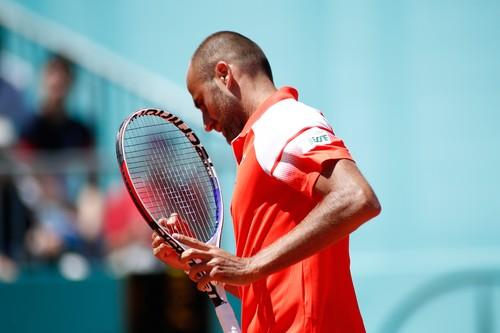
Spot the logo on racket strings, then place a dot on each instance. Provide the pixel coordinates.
(188, 132)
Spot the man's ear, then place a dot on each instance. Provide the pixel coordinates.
(224, 74)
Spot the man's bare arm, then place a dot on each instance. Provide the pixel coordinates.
(348, 202)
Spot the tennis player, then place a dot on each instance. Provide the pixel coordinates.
(298, 196)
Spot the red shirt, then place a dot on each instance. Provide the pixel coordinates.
(279, 153)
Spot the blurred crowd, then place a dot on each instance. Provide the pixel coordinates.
(54, 209)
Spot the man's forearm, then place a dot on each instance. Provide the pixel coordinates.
(348, 201)
(335, 217)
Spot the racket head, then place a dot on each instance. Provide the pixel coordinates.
(166, 169)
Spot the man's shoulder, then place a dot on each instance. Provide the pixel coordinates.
(279, 125)
(285, 119)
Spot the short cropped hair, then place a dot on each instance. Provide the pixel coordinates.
(231, 47)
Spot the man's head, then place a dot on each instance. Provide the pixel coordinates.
(225, 75)
(57, 79)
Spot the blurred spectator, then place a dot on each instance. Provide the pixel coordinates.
(15, 217)
(127, 235)
(61, 226)
(53, 128)
(90, 215)
(55, 230)
(12, 105)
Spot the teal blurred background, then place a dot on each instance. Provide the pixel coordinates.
(413, 88)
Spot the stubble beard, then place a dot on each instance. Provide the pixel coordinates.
(232, 117)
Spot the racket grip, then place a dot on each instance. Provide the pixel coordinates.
(225, 314)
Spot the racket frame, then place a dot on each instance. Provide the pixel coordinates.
(213, 291)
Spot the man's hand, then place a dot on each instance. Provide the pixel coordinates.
(218, 265)
(162, 250)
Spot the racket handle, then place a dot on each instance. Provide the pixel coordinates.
(225, 313)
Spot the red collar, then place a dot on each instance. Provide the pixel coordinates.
(281, 94)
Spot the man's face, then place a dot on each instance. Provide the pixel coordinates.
(57, 82)
(221, 110)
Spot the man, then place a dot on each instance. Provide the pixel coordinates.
(298, 195)
(53, 134)
(53, 128)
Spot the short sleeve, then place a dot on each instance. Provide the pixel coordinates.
(292, 141)
(299, 164)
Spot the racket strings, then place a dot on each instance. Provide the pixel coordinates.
(176, 189)
(176, 194)
(169, 176)
(187, 201)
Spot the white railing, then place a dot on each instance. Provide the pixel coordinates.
(97, 59)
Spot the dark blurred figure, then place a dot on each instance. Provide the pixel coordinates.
(56, 140)
(12, 105)
(53, 128)
(15, 216)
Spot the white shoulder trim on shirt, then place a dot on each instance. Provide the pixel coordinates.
(278, 125)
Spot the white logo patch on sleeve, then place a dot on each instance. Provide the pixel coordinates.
(309, 139)
(286, 168)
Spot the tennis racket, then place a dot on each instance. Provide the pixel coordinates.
(166, 169)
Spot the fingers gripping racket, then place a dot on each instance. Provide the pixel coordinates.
(167, 170)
